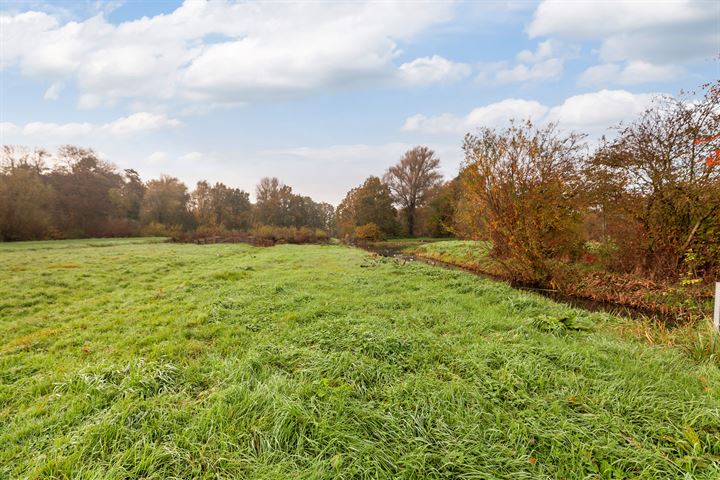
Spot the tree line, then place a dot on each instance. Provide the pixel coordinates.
(85, 196)
(646, 200)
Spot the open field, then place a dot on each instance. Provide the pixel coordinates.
(154, 360)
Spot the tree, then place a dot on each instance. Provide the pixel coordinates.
(166, 203)
(221, 206)
(128, 197)
(83, 184)
(440, 210)
(411, 180)
(21, 156)
(202, 207)
(277, 205)
(663, 165)
(326, 215)
(273, 201)
(234, 209)
(86, 196)
(369, 203)
(25, 198)
(524, 182)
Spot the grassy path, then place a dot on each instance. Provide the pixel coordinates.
(153, 360)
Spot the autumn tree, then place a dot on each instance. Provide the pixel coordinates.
(273, 201)
(369, 203)
(233, 207)
(221, 206)
(166, 203)
(128, 197)
(83, 185)
(83, 195)
(326, 216)
(25, 198)
(277, 205)
(664, 166)
(412, 180)
(524, 182)
(441, 208)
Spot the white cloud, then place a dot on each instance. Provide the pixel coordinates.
(597, 111)
(435, 69)
(545, 63)
(631, 74)
(592, 18)
(64, 130)
(493, 115)
(137, 123)
(140, 122)
(227, 52)
(19, 31)
(658, 32)
(590, 113)
(157, 158)
(550, 69)
(679, 44)
(7, 128)
(544, 50)
(53, 92)
(192, 157)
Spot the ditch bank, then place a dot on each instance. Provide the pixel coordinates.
(659, 313)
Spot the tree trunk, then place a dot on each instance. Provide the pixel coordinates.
(411, 221)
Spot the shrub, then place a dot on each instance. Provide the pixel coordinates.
(369, 232)
(604, 254)
(525, 184)
(321, 236)
(119, 227)
(211, 231)
(275, 234)
(155, 229)
(304, 235)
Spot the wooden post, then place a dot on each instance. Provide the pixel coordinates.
(716, 316)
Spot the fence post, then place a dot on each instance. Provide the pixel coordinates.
(716, 316)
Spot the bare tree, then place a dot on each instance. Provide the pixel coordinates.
(412, 179)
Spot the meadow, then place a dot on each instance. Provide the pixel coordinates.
(144, 359)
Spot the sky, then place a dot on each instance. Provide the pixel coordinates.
(324, 94)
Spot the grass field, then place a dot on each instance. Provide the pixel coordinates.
(156, 360)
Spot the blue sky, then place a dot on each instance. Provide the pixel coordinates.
(322, 95)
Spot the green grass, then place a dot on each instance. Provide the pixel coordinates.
(156, 360)
(410, 243)
(470, 254)
(77, 243)
(690, 304)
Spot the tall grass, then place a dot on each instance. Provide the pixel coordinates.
(229, 361)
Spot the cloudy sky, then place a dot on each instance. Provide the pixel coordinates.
(323, 94)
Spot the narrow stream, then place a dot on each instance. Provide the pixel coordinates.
(571, 300)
